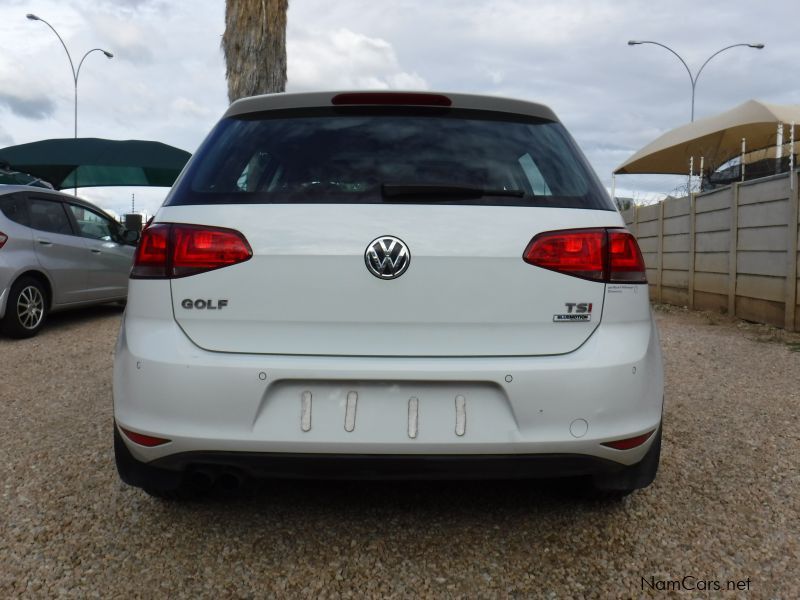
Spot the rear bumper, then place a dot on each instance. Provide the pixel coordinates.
(387, 467)
(518, 409)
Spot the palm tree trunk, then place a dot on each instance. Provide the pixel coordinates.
(254, 44)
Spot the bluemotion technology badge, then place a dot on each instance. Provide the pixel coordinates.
(576, 312)
(387, 257)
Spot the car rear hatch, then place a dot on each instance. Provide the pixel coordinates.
(307, 289)
(464, 190)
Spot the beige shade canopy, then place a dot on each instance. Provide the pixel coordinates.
(717, 139)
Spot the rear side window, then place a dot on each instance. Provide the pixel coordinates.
(14, 207)
(49, 215)
(347, 155)
(92, 225)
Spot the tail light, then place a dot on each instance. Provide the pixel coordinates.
(3, 239)
(144, 440)
(625, 259)
(607, 255)
(152, 253)
(628, 443)
(391, 98)
(170, 250)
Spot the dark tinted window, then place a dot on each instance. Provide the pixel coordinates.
(13, 206)
(48, 215)
(344, 156)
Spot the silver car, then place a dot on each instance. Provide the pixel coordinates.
(57, 252)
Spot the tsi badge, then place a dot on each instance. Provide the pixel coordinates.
(204, 304)
(576, 311)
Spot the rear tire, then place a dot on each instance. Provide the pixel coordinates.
(26, 308)
(634, 477)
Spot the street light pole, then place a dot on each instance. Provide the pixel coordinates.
(696, 76)
(75, 73)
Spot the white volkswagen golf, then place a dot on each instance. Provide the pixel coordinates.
(387, 285)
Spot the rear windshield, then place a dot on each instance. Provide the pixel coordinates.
(352, 155)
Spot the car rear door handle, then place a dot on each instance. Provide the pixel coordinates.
(44, 242)
(94, 251)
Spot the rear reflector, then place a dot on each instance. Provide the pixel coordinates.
(628, 443)
(143, 440)
(391, 98)
(3, 239)
(168, 251)
(607, 255)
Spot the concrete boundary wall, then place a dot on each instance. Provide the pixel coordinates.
(733, 249)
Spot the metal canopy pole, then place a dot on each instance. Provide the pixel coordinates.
(614, 187)
(791, 155)
(741, 164)
(702, 167)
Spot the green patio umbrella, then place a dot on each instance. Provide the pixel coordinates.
(96, 162)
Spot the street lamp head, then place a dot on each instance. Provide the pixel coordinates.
(107, 53)
(634, 42)
(32, 17)
(757, 46)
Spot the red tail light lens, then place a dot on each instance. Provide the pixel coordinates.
(608, 255)
(142, 439)
(628, 443)
(3, 239)
(152, 253)
(577, 252)
(625, 259)
(174, 250)
(198, 249)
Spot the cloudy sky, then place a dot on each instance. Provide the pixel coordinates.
(167, 80)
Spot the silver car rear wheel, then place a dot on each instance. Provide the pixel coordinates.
(26, 310)
(30, 307)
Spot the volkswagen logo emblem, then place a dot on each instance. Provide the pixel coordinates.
(387, 257)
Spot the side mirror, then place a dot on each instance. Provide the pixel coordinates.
(130, 236)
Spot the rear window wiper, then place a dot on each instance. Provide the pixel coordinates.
(399, 192)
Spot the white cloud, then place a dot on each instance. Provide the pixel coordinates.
(29, 106)
(537, 24)
(5, 138)
(344, 59)
(125, 38)
(185, 107)
(26, 95)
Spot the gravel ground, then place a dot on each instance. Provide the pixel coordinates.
(724, 507)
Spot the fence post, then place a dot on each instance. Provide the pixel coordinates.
(660, 279)
(791, 269)
(732, 267)
(692, 201)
